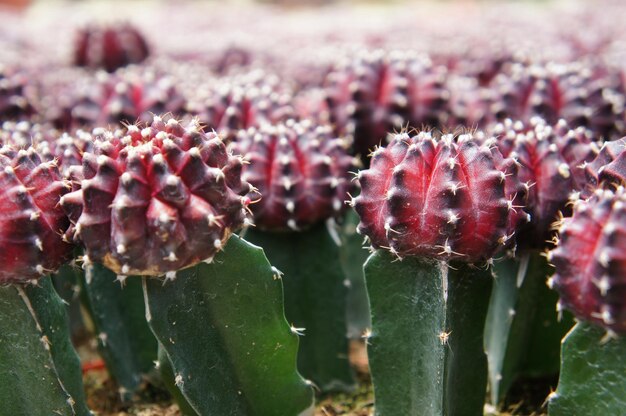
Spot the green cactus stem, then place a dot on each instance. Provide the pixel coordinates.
(223, 328)
(523, 332)
(125, 341)
(426, 344)
(169, 379)
(39, 368)
(353, 255)
(592, 380)
(315, 300)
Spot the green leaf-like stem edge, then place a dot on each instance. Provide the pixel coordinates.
(223, 329)
(426, 345)
(593, 374)
(39, 369)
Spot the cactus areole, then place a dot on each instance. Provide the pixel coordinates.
(156, 198)
(451, 198)
(590, 260)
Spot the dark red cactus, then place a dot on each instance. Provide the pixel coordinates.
(590, 260)
(554, 92)
(126, 96)
(609, 168)
(51, 144)
(376, 94)
(240, 103)
(301, 171)
(550, 163)
(109, 47)
(156, 199)
(451, 198)
(15, 99)
(32, 223)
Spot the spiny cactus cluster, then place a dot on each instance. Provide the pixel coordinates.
(155, 199)
(300, 170)
(590, 260)
(450, 198)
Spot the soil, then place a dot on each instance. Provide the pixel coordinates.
(527, 396)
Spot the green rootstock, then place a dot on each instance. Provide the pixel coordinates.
(223, 328)
(315, 300)
(39, 369)
(426, 346)
(125, 340)
(523, 333)
(593, 374)
(353, 255)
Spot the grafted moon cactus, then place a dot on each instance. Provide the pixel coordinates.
(447, 198)
(156, 199)
(550, 162)
(109, 47)
(590, 260)
(32, 222)
(301, 171)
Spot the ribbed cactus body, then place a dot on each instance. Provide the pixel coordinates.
(550, 162)
(301, 172)
(590, 260)
(156, 199)
(109, 47)
(451, 198)
(32, 222)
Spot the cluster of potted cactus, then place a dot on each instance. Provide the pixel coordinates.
(233, 216)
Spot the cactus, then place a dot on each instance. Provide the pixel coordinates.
(550, 164)
(16, 98)
(589, 277)
(419, 208)
(155, 200)
(375, 93)
(608, 168)
(302, 175)
(109, 47)
(222, 327)
(163, 201)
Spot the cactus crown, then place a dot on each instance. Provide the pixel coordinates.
(446, 198)
(156, 199)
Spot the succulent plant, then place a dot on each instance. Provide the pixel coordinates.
(33, 246)
(109, 47)
(108, 99)
(554, 92)
(301, 171)
(156, 199)
(438, 205)
(590, 264)
(16, 101)
(589, 260)
(550, 162)
(375, 94)
(240, 102)
(421, 195)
